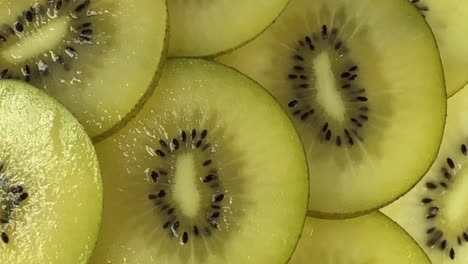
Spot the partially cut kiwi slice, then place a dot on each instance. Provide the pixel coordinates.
(100, 58)
(50, 184)
(362, 81)
(206, 27)
(369, 239)
(435, 211)
(449, 22)
(210, 171)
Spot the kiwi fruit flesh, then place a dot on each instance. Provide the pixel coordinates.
(210, 171)
(206, 28)
(341, 69)
(50, 184)
(435, 211)
(100, 58)
(369, 239)
(448, 20)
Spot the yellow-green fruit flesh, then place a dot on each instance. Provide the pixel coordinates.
(362, 82)
(369, 239)
(108, 75)
(204, 28)
(260, 163)
(435, 211)
(47, 152)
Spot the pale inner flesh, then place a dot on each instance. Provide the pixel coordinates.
(327, 93)
(186, 194)
(37, 43)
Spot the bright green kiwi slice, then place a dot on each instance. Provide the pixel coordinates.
(100, 58)
(369, 239)
(50, 184)
(210, 171)
(435, 211)
(449, 22)
(204, 28)
(362, 82)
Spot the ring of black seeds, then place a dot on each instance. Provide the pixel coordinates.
(11, 196)
(435, 236)
(303, 86)
(196, 140)
(63, 56)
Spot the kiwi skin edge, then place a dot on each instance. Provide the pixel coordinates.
(144, 98)
(215, 55)
(337, 216)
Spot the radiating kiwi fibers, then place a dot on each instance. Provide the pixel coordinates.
(82, 31)
(11, 197)
(303, 80)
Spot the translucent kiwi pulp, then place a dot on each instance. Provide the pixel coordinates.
(50, 185)
(362, 81)
(449, 22)
(368, 239)
(210, 171)
(100, 58)
(435, 211)
(204, 28)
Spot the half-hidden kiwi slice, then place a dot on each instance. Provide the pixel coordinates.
(210, 171)
(449, 22)
(362, 81)
(368, 239)
(435, 211)
(98, 57)
(50, 185)
(204, 28)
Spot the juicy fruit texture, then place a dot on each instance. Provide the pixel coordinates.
(369, 239)
(100, 58)
(435, 211)
(210, 171)
(362, 82)
(203, 28)
(50, 185)
(449, 22)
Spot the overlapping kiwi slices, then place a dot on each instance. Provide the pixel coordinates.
(449, 22)
(435, 211)
(98, 57)
(210, 171)
(50, 185)
(204, 28)
(368, 239)
(363, 83)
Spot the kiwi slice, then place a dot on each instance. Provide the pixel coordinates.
(50, 184)
(362, 82)
(368, 239)
(449, 21)
(210, 171)
(435, 211)
(204, 28)
(100, 58)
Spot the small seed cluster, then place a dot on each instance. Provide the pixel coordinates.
(304, 87)
(13, 196)
(187, 140)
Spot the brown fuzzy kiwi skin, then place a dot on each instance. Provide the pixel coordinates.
(145, 97)
(338, 216)
(215, 55)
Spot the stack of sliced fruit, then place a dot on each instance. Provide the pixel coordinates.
(267, 131)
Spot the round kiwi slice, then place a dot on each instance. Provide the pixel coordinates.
(362, 82)
(204, 28)
(50, 184)
(100, 58)
(210, 171)
(372, 238)
(435, 211)
(449, 22)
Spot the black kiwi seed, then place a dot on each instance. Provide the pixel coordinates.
(450, 163)
(463, 149)
(426, 200)
(443, 244)
(218, 198)
(431, 185)
(432, 212)
(195, 230)
(5, 238)
(185, 238)
(465, 236)
(452, 253)
(160, 153)
(175, 143)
